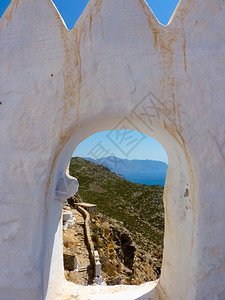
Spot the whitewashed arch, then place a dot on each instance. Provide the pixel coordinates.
(58, 87)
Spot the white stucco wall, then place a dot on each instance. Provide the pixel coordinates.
(59, 87)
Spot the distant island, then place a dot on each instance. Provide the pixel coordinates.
(148, 172)
(119, 165)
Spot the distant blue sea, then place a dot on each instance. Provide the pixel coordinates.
(146, 177)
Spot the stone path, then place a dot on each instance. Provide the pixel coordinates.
(73, 239)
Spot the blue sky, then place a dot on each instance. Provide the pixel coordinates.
(131, 145)
(121, 143)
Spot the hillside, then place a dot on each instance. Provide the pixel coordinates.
(138, 207)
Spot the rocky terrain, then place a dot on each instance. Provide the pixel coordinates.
(127, 231)
(139, 207)
(123, 262)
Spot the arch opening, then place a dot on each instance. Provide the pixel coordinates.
(177, 198)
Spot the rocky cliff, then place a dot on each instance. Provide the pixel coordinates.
(123, 262)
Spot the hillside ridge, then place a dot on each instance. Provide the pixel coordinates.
(116, 164)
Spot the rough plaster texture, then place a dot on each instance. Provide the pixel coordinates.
(59, 87)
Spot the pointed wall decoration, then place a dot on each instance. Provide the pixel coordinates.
(70, 11)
